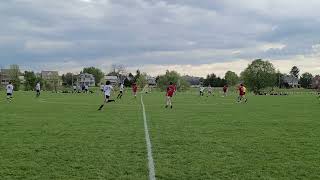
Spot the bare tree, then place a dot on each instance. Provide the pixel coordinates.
(120, 71)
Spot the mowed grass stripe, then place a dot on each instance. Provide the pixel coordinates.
(270, 137)
(57, 141)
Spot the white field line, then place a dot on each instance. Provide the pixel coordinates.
(152, 174)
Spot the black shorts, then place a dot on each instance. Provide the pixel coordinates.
(107, 97)
(9, 94)
(38, 91)
(121, 92)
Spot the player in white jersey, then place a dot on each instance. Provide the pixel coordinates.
(210, 90)
(202, 90)
(121, 89)
(107, 89)
(38, 89)
(9, 89)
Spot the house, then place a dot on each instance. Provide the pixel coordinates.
(291, 81)
(194, 81)
(51, 77)
(5, 76)
(316, 82)
(114, 80)
(86, 79)
(151, 81)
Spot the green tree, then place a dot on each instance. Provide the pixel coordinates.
(69, 79)
(231, 78)
(14, 73)
(279, 79)
(306, 80)
(137, 76)
(214, 81)
(172, 76)
(30, 80)
(97, 73)
(295, 71)
(258, 75)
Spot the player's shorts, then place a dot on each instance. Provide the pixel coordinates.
(9, 94)
(38, 91)
(121, 92)
(169, 94)
(107, 97)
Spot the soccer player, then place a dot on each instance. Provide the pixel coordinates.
(38, 89)
(225, 90)
(134, 89)
(9, 89)
(242, 93)
(107, 93)
(210, 90)
(121, 91)
(170, 92)
(202, 90)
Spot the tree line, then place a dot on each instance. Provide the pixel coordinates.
(257, 76)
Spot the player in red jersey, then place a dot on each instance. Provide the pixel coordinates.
(225, 90)
(242, 93)
(170, 92)
(134, 89)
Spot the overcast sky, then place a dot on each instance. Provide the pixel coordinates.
(194, 37)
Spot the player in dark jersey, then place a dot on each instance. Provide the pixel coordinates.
(242, 93)
(170, 92)
(134, 89)
(225, 90)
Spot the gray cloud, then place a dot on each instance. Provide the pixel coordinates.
(39, 34)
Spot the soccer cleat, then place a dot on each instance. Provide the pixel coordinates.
(166, 106)
(171, 107)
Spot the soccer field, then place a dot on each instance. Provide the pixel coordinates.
(63, 136)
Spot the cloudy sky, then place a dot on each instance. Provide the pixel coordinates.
(191, 36)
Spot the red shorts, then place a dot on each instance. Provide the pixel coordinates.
(170, 94)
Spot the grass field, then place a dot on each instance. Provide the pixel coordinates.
(63, 136)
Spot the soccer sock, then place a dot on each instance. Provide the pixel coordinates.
(101, 107)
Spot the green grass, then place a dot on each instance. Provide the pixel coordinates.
(62, 136)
